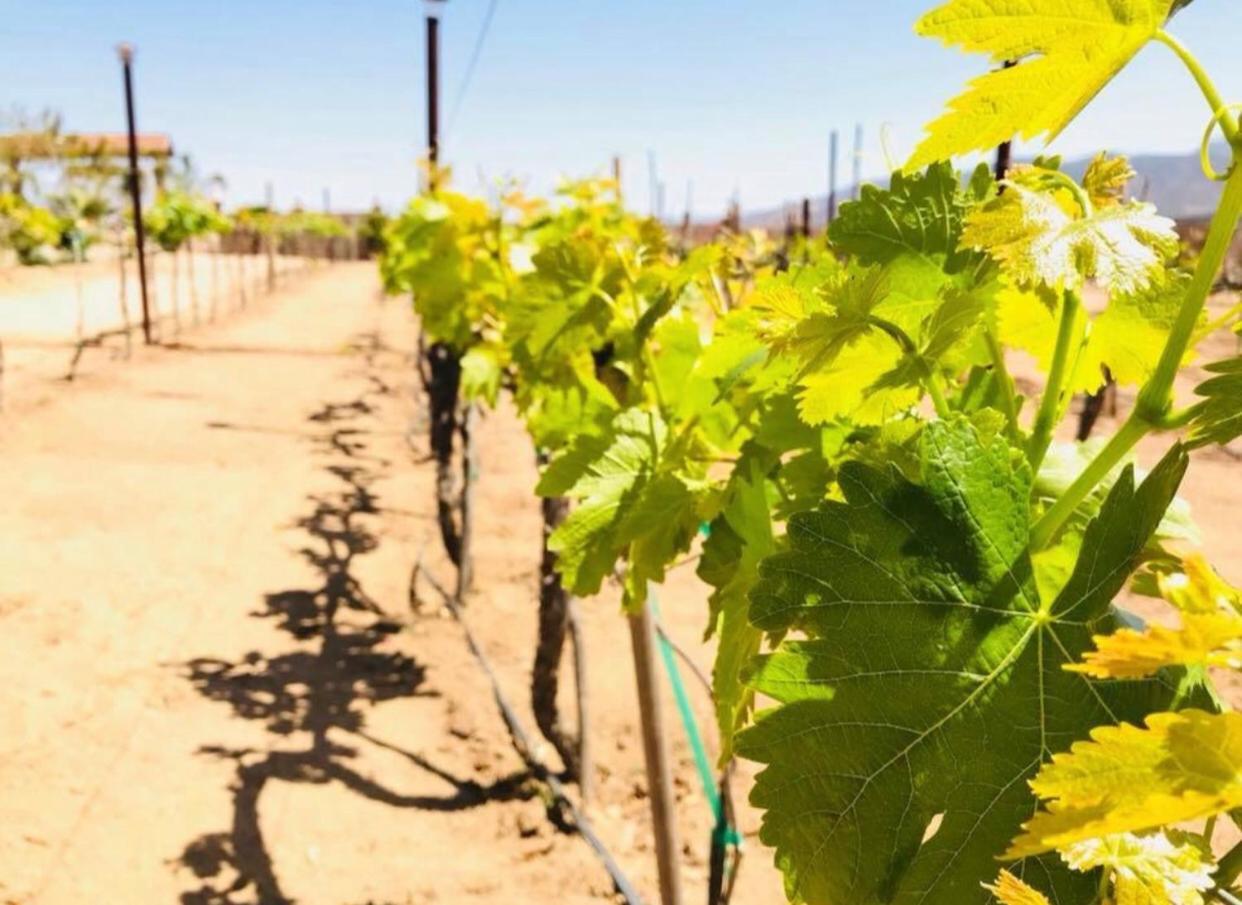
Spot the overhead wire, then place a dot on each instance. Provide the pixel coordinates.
(468, 77)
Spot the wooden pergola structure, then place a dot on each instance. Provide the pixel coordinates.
(131, 146)
(20, 147)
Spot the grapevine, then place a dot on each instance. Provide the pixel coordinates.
(901, 555)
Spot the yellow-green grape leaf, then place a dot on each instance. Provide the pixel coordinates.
(820, 336)
(1218, 419)
(926, 643)
(945, 339)
(1024, 321)
(1038, 242)
(740, 537)
(1147, 870)
(659, 525)
(1009, 890)
(1106, 179)
(605, 475)
(1130, 334)
(1197, 589)
(481, 372)
(1210, 634)
(1067, 51)
(779, 308)
(1128, 779)
(846, 387)
(1203, 640)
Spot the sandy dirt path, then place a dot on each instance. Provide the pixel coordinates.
(209, 691)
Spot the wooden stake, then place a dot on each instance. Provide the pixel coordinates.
(656, 754)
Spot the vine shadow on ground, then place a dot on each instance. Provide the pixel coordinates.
(320, 687)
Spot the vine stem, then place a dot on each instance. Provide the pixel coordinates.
(1151, 410)
(1229, 866)
(1003, 380)
(931, 381)
(1050, 405)
(1154, 399)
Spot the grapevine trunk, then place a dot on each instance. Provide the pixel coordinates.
(443, 386)
(554, 605)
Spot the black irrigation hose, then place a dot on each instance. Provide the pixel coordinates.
(522, 743)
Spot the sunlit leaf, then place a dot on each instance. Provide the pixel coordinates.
(1148, 870)
(1128, 779)
(1009, 890)
(1067, 52)
(1123, 247)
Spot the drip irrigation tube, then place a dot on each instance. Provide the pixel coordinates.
(522, 742)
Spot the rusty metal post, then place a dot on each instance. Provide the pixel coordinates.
(126, 53)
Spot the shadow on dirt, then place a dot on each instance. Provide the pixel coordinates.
(335, 668)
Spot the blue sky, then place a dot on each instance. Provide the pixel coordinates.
(734, 96)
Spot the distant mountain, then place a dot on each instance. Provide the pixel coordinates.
(1173, 182)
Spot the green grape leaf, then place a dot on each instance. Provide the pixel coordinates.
(835, 335)
(928, 643)
(1128, 337)
(1066, 52)
(740, 537)
(949, 328)
(1219, 416)
(605, 475)
(846, 386)
(658, 527)
(675, 346)
(481, 372)
(1038, 242)
(816, 337)
(634, 499)
(918, 214)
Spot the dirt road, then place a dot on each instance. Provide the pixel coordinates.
(207, 689)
